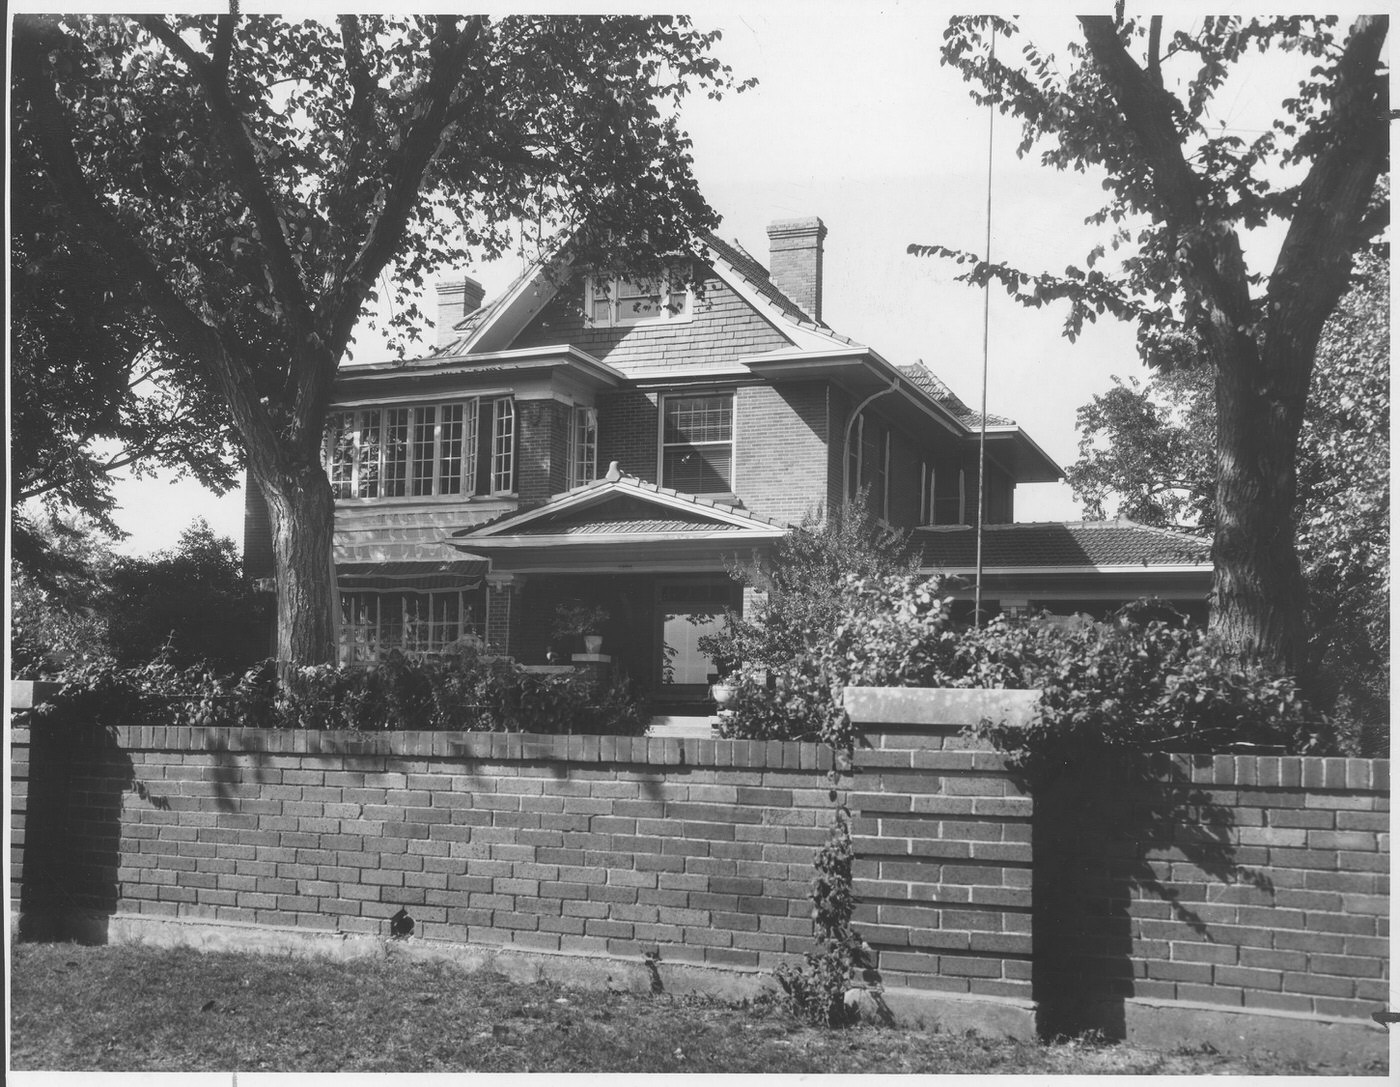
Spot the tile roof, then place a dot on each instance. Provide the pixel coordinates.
(634, 486)
(1083, 543)
(628, 525)
(925, 379)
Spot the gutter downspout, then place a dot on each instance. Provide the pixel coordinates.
(846, 445)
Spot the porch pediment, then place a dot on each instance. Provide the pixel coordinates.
(619, 520)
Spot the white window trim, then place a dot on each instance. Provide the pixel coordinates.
(468, 603)
(733, 435)
(471, 448)
(589, 465)
(503, 459)
(665, 316)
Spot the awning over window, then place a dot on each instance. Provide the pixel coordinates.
(461, 574)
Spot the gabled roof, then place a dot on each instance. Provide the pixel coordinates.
(617, 507)
(816, 352)
(1088, 545)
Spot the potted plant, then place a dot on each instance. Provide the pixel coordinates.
(575, 619)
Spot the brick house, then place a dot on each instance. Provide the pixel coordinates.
(621, 444)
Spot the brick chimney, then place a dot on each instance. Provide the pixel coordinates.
(795, 261)
(457, 297)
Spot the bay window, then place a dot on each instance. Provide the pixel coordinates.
(464, 448)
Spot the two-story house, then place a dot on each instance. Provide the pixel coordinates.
(624, 443)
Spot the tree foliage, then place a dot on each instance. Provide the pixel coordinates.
(183, 606)
(92, 392)
(252, 177)
(1136, 103)
(1141, 453)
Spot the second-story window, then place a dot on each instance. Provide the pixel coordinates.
(583, 446)
(611, 301)
(463, 448)
(697, 443)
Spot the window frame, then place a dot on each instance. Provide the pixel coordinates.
(400, 456)
(928, 492)
(855, 466)
(662, 445)
(583, 446)
(669, 286)
(356, 645)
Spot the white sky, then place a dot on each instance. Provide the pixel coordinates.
(855, 120)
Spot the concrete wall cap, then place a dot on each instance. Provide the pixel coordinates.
(948, 706)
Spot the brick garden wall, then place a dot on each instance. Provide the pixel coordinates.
(613, 846)
(1252, 883)
(1248, 885)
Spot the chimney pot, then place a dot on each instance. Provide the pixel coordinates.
(457, 297)
(795, 261)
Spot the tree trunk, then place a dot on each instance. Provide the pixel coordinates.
(302, 515)
(1258, 594)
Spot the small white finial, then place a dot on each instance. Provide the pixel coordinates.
(614, 473)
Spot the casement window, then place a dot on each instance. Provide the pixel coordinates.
(868, 464)
(464, 448)
(697, 443)
(928, 494)
(373, 623)
(613, 301)
(583, 446)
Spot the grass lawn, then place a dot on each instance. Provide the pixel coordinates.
(146, 1009)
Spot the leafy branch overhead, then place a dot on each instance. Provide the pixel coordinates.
(1137, 105)
(1181, 186)
(254, 180)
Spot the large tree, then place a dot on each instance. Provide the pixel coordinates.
(253, 177)
(1134, 103)
(92, 392)
(1144, 454)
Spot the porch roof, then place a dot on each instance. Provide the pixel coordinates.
(615, 523)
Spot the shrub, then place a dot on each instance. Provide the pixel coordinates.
(1144, 681)
(459, 692)
(845, 606)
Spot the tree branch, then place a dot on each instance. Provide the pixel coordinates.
(1215, 258)
(223, 47)
(339, 307)
(248, 177)
(34, 40)
(1332, 221)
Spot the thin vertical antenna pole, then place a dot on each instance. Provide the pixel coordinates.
(986, 326)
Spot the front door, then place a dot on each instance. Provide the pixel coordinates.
(686, 611)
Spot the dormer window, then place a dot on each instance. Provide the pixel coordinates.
(614, 301)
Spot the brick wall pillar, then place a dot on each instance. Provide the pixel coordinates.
(942, 841)
(503, 625)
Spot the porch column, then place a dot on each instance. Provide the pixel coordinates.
(502, 622)
(753, 600)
